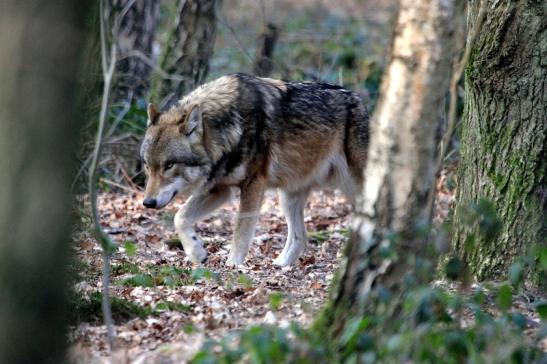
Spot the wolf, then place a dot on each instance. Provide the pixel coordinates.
(250, 133)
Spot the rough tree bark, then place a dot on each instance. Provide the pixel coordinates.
(134, 40)
(39, 53)
(188, 50)
(504, 134)
(400, 172)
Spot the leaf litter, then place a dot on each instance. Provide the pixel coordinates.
(170, 306)
(183, 303)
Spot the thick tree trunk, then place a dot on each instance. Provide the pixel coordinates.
(189, 49)
(135, 38)
(39, 53)
(392, 215)
(504, 141)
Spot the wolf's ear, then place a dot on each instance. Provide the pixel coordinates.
(153, 114)
(192, 126)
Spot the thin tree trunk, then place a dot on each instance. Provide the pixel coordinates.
(134, 39)
(504, 136)
(263, 65)
(388, 234)
(189, 49)
(39, 54)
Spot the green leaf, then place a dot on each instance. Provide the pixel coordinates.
(275, 300)
(541, 308)
(130, 248)
(245, 280)
(144, 280)
(504, 297)
(516, 274)
(189, 329)
(469, 243)
(519, 320)
(200, 273)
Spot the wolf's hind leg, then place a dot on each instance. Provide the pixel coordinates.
(249, 210)
(196, 207)
(293, 204)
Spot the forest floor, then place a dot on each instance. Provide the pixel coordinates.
(165, 307)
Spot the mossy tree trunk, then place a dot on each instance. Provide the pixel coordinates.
(40, 46)
(390, 223)
(188, 49)
(504, 136)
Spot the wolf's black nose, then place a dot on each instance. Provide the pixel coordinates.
(150, 202)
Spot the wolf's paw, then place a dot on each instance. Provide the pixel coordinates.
(197, 255)
(235, 259)
(283, 261)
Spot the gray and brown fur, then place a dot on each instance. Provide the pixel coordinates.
(252, 133)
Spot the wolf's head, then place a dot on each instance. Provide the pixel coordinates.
(173, 154)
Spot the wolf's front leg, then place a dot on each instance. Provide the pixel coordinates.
(196, 207)
(252, 194)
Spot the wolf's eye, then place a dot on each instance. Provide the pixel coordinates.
(169, 165)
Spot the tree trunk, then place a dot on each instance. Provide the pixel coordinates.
(392, 215)
(503, 143)
(39, 52)
(263, 65)
(189, 49)
(134, 39)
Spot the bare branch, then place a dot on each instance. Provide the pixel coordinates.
(239, 42)
(108, 246)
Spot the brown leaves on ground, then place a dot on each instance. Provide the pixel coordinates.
(186, 303)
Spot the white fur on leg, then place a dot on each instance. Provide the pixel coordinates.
(243, 235)
(196, 207)
(294, 247)
(293, 204)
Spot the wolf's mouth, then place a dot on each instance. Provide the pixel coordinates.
(173, 196)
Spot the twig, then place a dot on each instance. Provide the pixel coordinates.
(118, 185)
(163, 74)
(119, 117)
(225, 23)
(107, 245)
(128, 179)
